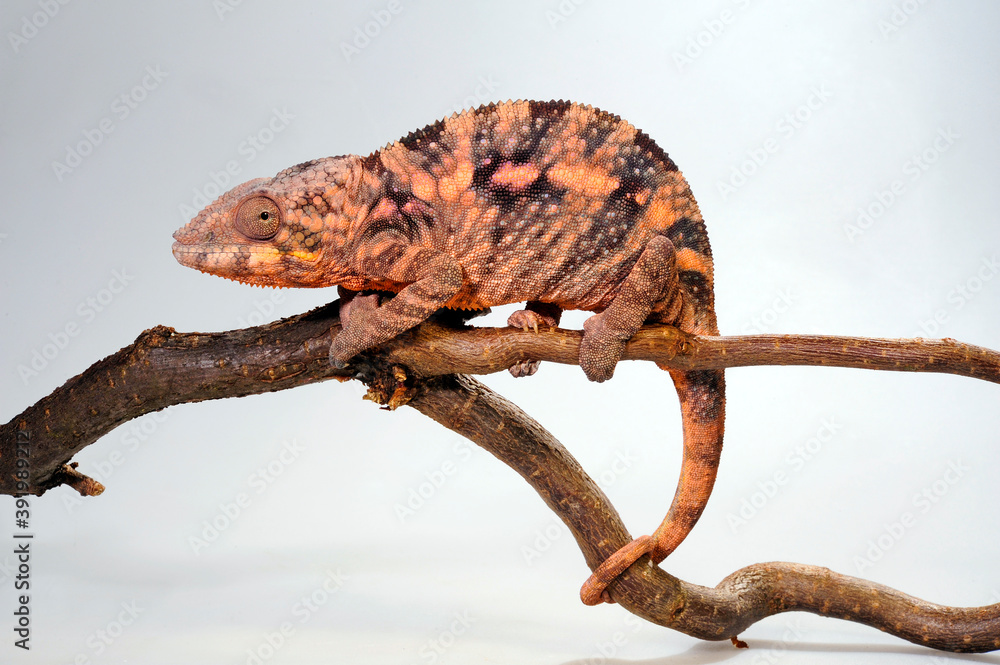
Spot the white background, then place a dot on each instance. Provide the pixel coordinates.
(872, 85)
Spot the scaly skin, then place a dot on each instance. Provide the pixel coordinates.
(555, 204)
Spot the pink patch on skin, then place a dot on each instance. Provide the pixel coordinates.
(513, 177)
(385, 208)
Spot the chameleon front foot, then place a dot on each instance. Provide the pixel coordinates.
(357, 315)
(594, 590)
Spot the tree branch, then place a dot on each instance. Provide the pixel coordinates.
(162, 368)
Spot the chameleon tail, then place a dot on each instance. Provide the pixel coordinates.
(702, 398)
(703, 413)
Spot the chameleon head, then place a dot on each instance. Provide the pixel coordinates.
(281, 231)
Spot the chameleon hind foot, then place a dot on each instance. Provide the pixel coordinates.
(534, 314)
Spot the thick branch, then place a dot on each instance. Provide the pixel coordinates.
(469, 408)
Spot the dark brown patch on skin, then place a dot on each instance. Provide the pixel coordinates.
(706, 386)
(553, 110)
(624, 201)
(689, 233)
(595, 133)
(698, 287)
(417, 140)
(647, 145)
(373, 164)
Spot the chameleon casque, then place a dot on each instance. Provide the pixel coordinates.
(555, 204)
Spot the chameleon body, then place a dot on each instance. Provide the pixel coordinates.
(555, 204)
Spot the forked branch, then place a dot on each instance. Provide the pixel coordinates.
(162, 368)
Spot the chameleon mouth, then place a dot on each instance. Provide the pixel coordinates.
(187, 255)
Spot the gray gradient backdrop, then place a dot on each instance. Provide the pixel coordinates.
(790, 120)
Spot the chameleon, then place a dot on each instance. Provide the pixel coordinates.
(558, 205)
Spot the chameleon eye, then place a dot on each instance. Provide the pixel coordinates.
(258, 218)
